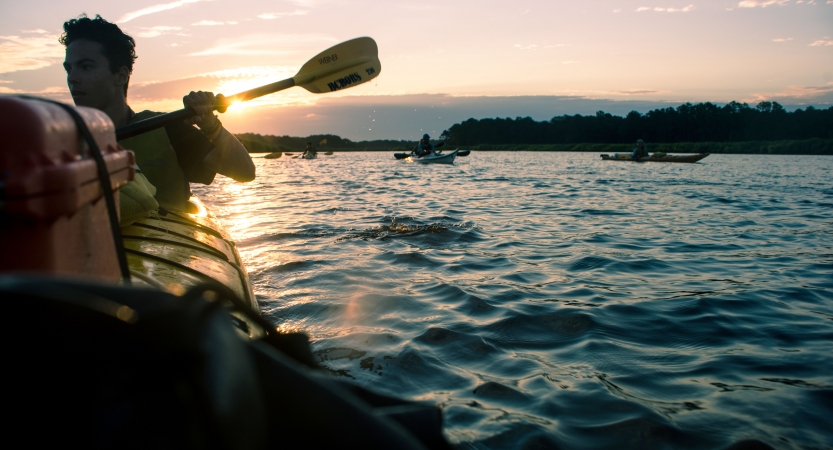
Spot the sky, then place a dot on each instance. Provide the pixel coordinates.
(443, 61)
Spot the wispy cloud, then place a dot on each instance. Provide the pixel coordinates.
(636, 92)
(263, 45)
(569, 62)
(210, 23)
(281, 15)
(662, 9)
(167, 95)
(154, 9)
(37, 50)
(60, 93)
(821, 43)
(782, 39)
(617, 10)
(526, 47)
(800, 94)
(761, 3)
(149, 32)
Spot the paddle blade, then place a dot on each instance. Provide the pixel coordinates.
(340, 67)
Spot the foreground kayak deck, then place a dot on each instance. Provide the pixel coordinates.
(179, 250)
(667, 158)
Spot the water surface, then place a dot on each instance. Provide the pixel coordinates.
(551, 300)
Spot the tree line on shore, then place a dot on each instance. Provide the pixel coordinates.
(257, 143)
(689, 128)
(690, 123)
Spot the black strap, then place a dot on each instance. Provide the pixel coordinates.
(104, 178)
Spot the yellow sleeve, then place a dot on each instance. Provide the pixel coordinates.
(136, 200)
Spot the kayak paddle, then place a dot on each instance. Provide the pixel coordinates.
(342, 66)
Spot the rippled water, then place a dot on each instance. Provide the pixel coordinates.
(557, 300)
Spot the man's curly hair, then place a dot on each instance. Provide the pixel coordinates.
(118, 48)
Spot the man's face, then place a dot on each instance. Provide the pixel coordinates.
(89, 78)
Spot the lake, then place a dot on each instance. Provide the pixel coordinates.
(550, 300)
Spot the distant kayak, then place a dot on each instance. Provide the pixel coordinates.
(690, 158)
(435, 158)
(309, 155)
(411, 154)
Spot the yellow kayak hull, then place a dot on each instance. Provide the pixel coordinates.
(178, 250)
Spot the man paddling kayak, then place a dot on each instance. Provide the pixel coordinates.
(639, 151)
(424, 147)
(309, 152)
(99, 62)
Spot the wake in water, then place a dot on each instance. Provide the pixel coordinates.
(395, 230)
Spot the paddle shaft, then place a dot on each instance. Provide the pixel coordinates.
(143, 126)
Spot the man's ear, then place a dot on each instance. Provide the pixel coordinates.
(122, 76)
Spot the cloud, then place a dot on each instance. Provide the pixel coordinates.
(821, 43)
(262, 45)
(661, 9)
(29, 52)
(617, 10)
(637, 92)
(210, 23)
(154, 9)
(761, 3)
(168, 94)
(569, 62)
(782, 39)
(281, 15)
(526, 47)
(801, 95)
(149, 32)
(59, 93)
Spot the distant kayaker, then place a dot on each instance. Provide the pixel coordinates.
(640, 151)
(309, 151)
(99, 62)
(424, 147)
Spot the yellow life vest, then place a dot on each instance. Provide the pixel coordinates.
(157, 159)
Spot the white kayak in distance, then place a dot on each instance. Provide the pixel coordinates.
(434, 158)
(656, 157)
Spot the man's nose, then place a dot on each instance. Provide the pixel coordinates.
(72, 77)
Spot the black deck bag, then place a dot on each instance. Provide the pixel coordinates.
(100, 366)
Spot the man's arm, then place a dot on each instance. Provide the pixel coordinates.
(229, 157)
